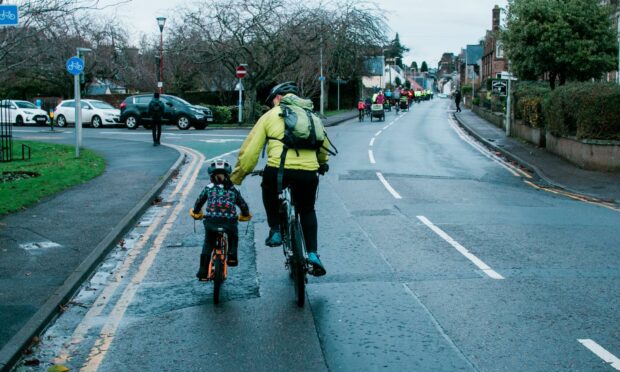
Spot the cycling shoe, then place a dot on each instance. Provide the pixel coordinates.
(274, 239)
(317, 266)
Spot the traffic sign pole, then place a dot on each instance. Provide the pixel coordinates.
(240, 73)
(75, 66)
(240, 103)
(78, 114)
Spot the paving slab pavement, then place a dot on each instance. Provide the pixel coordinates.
(553, 169)
(49, 248)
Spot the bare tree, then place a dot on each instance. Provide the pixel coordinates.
(278, 40)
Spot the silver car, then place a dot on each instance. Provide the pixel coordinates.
(95, 113)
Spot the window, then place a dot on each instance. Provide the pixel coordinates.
(144, 100)
(69, 104)
(25, 105)
(499, 50)
(102, 105)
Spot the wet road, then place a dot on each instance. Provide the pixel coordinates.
(439, 257)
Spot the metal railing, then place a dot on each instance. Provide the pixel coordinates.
(6, 132)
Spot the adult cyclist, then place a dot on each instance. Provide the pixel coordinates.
(300, 170)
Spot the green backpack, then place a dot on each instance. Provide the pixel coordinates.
(303, 129)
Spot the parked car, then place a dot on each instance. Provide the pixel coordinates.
(95, 113)
(22, 112)
(134, 112)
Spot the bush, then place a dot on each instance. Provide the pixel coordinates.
(530, 99)
(222, 114)
(585, 110)
(476, 101)
(531, 109)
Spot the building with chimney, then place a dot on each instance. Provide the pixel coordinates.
(494, 60)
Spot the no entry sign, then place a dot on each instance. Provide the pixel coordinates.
(241, 72)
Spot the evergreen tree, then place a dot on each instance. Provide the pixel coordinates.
(414, 66)
(424, 67)
(564, 40)
(396, 50)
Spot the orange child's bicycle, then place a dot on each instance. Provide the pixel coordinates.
(218, 267)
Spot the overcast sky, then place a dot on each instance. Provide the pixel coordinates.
(428, 27)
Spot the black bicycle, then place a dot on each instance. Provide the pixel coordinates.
(293, 244)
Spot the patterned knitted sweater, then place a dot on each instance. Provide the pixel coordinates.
(221, 202)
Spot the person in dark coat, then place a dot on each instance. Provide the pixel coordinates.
(156, 111)
(457, 100)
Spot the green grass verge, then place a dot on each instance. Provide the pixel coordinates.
(58, 170)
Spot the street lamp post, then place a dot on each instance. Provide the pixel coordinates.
(161, 21)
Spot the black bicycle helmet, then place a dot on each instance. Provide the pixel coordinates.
(219, 166)
(282, 89)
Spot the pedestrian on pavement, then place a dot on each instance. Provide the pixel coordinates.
(296, 168)
(156, 111)
(457, 100)
(221, 200)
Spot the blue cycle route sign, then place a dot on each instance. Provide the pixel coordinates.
(9, 15)
(75, 65)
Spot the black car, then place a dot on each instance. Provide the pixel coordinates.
(134, 112)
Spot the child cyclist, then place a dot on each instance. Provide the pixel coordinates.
(221, 200)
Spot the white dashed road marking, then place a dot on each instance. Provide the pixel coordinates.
(600, 351)
(470, 256)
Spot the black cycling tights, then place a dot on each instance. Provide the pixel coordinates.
(303, 185)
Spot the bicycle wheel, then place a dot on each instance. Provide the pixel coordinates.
(218, 277)
(298, 266)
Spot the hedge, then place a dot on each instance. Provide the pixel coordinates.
(230, 114)
(585, 111)
(530, 99)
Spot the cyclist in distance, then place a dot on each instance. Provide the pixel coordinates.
(299, 174)
(361, 108)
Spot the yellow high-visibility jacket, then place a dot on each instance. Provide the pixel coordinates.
(271, 125)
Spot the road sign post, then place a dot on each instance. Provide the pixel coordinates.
(509, 77)
(75, 66)
(240, 73)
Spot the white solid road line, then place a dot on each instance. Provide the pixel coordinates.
(600, 351)
(371, 156)
(191, 134)
(221, 156)
(488, 153)
(470, 256)
(388, 186)
(481, 149)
